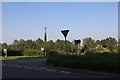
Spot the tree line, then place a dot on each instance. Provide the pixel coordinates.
(105, 45)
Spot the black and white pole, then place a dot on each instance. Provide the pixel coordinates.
(5, 52)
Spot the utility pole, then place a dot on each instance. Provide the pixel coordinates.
(45, 36)
(45, 40)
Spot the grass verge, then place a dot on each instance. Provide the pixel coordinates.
(19, 57)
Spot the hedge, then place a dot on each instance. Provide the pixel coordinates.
(32, 53)
(94, 61)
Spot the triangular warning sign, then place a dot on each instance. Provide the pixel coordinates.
(65, 32)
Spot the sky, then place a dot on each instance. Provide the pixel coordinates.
(26, 20)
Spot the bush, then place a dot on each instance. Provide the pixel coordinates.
(32, 53)
(53, 53)
(95, 61)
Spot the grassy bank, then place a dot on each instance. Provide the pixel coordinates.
(19, 57)
(109, 62)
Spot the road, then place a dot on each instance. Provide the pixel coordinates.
(37, 68)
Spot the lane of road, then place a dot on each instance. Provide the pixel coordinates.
(37, 68)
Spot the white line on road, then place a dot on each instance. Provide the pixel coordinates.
(65, 72)
(40, 68)
(51, 70)
(43, 68)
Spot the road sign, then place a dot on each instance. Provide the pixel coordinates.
(77, 41)
(5, 50)
(42, 49)
(65, 32)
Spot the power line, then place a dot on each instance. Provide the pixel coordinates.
(30, 13)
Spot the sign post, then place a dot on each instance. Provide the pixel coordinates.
(77, 46)
(5, 52)
(65, 32)
(42, 51)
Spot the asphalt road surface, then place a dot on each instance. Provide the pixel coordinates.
(37, 68)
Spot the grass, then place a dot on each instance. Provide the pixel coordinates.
(19, 57)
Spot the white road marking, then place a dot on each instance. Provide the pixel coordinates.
(51, 70)
(39, 68)
(65, 72)
(43, 68)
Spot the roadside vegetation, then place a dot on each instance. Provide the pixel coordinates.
(29, 47)
(101, 55)
(19, 57)
(108, 62)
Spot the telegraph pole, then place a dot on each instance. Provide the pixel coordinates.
(45, 37)
(45, 40)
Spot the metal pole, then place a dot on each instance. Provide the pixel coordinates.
(45, 40)
(66, 46)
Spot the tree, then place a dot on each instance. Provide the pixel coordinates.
(57, 44)
(60, 45)
(15, 44)
(103, 43)
(50, 45)
(29, 44)
(98, 46)
(39, 44)
(97, 42)
(0, 46)
(89, 43)
(4, 46)
(70, 46)
(111, 44)
(21, 45)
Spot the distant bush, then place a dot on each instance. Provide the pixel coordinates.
(32, 53)
(55, 53)
(95, 61)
